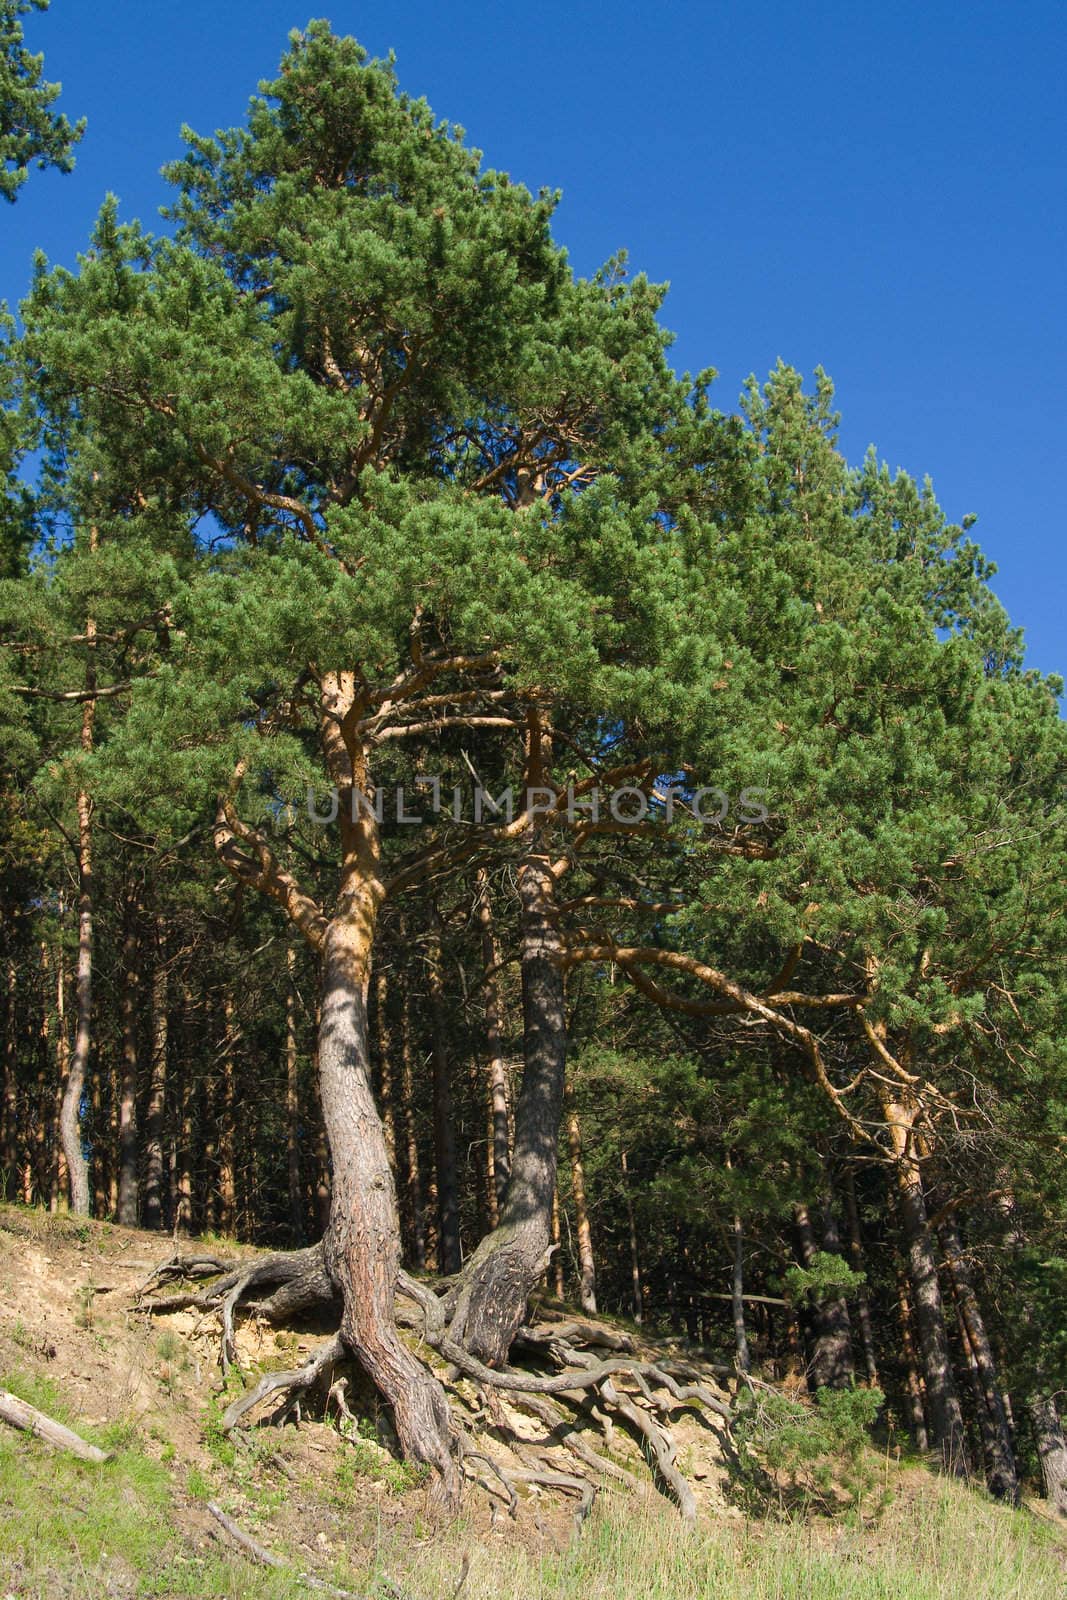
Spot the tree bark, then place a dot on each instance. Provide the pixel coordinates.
(942, 1400)
(499, 1144)
(636, 1291)
(831, 1362)
(224, 1101)
(1051, 1449)
(586, 1261)
(292, 1103)
(413, 1174)
(491, 1301)
(363, 1239)
(128, 1199)
(913, 1389)
(509, 1261)
(737, 1300)
(449, 1252)
(9, 1101)
(70, 1111)
(1001, 1473)
(857, 1262)
(155, 1110)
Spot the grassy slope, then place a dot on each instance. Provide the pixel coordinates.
(138, 1525)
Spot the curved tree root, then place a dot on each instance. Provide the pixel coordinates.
(614, 1383)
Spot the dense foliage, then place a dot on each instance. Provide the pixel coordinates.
(349, 483)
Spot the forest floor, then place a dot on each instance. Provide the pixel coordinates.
(334, 1505)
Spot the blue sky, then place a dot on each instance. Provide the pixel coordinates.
(878, 188)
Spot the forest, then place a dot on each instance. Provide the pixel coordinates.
(497, 833)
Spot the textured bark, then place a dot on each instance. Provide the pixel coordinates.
(737, 1300)
(1001, 1472)
(913, 1391)
(635, 1254)
(363, 1239)
(70, 1110)
(415, 1204)
(224, 1119)
(831, 1361)
(586, 1261)
(1051, 1449)
(292, 1103)
(858, 1264)
(508, 1263)
(9, 1098)
(499, 1144)
(70, 1125)
(128, 1199)
(155, 1109)
(449, 1254)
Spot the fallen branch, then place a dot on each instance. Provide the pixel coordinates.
(265, 1559)
(30, 1420)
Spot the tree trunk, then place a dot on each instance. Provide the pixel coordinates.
(363, 1239)
(913, 1389)
(70, 1111)
(737, 1300)
(637, 1294)
(59, 1161)
(449, 1253)
(508, 1263)
(499, 1145)
(127, 1207)
(942, 1399)
(1001, 1474)
(292, 1103)
(1051, 1449)
(9, 1103)
(225, 1125)
(857, 1262)
(413, 1175)
(155, 1110)
(70, 1127)
(831, 1362)
(586, 1262)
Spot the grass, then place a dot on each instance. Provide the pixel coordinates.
(71, 1529)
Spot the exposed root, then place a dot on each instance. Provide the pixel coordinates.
(296, 1382)
(613, 1385)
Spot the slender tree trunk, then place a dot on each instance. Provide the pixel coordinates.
(416, 1207)
(71, 1109)
(499, 1144)
(155, 1111)
(858, 1263)
(831, 1363)
(586, 1262)
(70, 1112)
(9, 1100)
(1051, 1449)
(509, 1261)
(449, 1253)
(491, 1302)
(913, 1389)
(637, 1295)
(224, 1118)
(59, 1162)
(127, 1207)
(942, 1400)
(559, 1287)
(1001, 1474)
(737, 1299)
(292, 1103)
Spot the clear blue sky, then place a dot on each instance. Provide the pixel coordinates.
(881, 188)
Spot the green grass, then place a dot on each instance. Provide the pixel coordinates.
(69, 1529)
